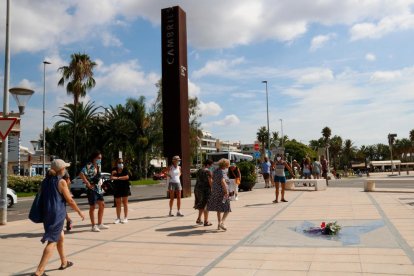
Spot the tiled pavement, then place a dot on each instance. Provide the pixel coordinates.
(262, 238)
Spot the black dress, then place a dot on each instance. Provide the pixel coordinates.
(202, 189)
(121, 187)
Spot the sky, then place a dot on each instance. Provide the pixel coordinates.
(345, 64)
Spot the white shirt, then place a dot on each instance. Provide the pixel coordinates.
(174, 174)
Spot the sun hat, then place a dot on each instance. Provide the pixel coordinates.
(176, 158)
(58, 164)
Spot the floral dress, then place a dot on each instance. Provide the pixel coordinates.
(202, 189)
(215, 203)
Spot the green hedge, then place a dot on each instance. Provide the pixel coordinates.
(24, 183)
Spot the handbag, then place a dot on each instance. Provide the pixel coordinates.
(237, 179)
(36, 211)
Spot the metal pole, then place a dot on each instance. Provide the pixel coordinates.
(44, 104)
(5, 153)
(267, 112)
(281, 127)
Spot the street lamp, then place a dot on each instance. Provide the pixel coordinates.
(44, 103)
(4, 147)
(22, 96)
(267, 112)
(281, 128)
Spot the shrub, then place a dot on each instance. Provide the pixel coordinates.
(24, 183)
(248, 173)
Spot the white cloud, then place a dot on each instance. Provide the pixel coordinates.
(109, 40)
(126, 77)
(209, 109)
(317, 75)
(222, 67)
(385, 26)
(227, 121)
(384, 76)
(370, 57)
(320, 41)
(193, 89)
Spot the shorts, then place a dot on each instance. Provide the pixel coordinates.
(93, 197)
(306, 174)
(266, 176)
(172, 186)
(280, 179)
(121, 190)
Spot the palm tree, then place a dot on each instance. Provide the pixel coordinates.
(78, 76)
(81, 118)
(348, 152)
(262, 137)
(335, 147)
(411, 136)
(326, 133)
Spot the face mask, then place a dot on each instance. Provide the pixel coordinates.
(120, 166)
(279, 158)
(98, 161)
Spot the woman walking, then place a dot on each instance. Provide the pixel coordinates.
(235, 179)
(202, 191)
(90, 176)
(54, 194)
(219, 199)
(120, 177)
(174, 185)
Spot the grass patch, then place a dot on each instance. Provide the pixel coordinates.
(145, 182)
(23, 194)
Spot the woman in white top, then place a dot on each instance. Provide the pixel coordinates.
(174, 185)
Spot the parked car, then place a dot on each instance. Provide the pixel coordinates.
(159, 176)
(11, 197)
(78, 187)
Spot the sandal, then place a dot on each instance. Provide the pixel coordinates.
(199, 222)
(275, 201)
(68, 264)
(284, 200)
(34, 274)
(207, 223)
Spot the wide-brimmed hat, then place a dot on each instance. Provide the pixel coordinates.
(58, 164)
(176, 158)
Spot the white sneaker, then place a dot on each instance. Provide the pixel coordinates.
(103, 226)
(117, 221)
(125, 220)
(95, 228)
(179, 214)
(237, 198)
(171, 214)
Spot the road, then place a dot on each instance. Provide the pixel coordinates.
(142, 193)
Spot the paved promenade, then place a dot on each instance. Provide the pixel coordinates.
(262, 238)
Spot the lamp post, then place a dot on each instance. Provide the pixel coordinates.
(4, 146)
(21, 96)
(44, 104)
(281, 128)
(267, 112)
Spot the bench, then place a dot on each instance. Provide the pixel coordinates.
(319, 184)
(369, 183)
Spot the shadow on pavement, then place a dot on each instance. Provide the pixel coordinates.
(258, 204)
(21, 235)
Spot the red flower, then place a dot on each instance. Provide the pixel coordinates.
(323, 224)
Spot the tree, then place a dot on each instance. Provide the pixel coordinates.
(83, 118)
(262, 137)
(78, 76)
(326, 133)
(348, 152)
(335, 147)
(298, 150)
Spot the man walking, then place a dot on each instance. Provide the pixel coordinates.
(266, 171)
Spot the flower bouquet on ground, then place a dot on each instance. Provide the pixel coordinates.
(330, 228)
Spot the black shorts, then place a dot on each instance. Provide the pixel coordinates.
(121, 189)
(266, 176)
(93, 197)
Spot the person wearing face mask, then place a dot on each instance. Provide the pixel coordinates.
(90, 175)
(174, 185)
(280, 177)
(120, 177)
(219, 198)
